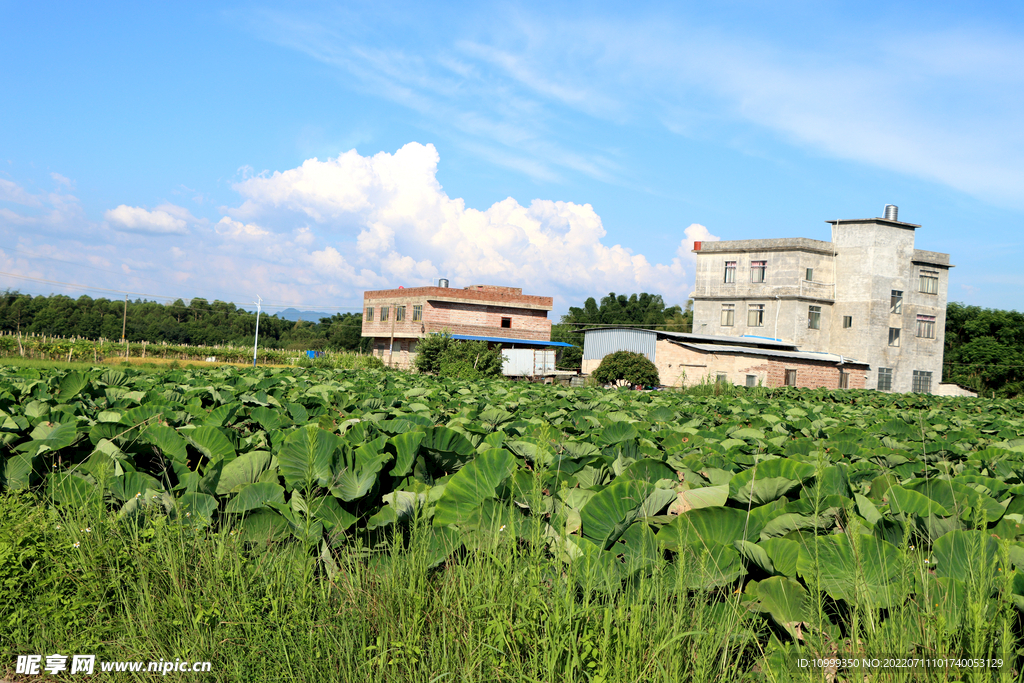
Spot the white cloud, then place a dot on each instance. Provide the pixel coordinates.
(237, 230)
(160, 221)
(389, 222)
(62, 180)
(12, 192)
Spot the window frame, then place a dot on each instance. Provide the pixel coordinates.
(417, 312)
(751, 380)
(896, 302)
(894, 339)
(809, 274)
(369, 314)
(844, 379)
(922, 382)
(505, 319)
(789, 379)
(814, 318)
(730, 272)
(925, 326)
(731, 310)
(385, 313)
(930, 277)
(399, 314)
(755, 312)
(759, 271)
(887, 373)
(847, 322)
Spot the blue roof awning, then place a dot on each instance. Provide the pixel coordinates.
(505, 340)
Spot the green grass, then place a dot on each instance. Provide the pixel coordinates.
(505, 610)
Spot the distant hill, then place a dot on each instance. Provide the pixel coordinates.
(294, 314)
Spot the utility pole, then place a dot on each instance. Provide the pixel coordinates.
(257, 342)
(394, 318)
(124, 326)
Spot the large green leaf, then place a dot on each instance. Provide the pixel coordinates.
(863, 570)
(968, 556)
(706, 525)
(245, 469)
(448, 449)
(786, 601)
(253, 496)
(71, 385)
(197, 506)
(905, 501)
(210, 442)
(167, 440)
(306, 457)
(406, 446)
(610, 512)
(473, 484)
(768, 480)
(707, 565)
(358, 469)
(133, 484)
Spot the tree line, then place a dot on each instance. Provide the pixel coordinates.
(199, 322)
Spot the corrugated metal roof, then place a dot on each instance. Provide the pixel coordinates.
(504, 340)
(722, 348)
(690, 336)
(599, 343)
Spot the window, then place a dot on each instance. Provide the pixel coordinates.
(847, 322)
(844, 380)
(751, 380)
(885, 379)
(926, 326)
(506, 322)
(721, 378)
(383, 313)
(810, 275)
(755, 315)
(922, 382)
(369, 313)
(896, 302)
(728, 314)
(894, 336)
(417, 312)
(790, 378)
(757, 269)
(399, 314)
(730, 271)
(929, 282)
(814, 317)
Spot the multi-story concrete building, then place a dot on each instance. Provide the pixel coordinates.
(396, 318)
(868, 294)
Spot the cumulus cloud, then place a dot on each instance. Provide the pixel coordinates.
(387, 221)
(167, 220)
(238, 230)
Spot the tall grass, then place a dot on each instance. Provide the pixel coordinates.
(503, 609)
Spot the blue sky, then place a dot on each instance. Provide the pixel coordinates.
(307, 152)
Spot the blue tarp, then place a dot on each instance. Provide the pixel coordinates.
(504, 340)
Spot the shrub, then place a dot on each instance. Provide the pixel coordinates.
(633, 368)
(439, 354)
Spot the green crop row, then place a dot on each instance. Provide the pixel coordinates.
(827, 515)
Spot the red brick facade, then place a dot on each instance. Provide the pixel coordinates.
(479, 311)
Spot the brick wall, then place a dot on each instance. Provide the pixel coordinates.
(476, 312)
(680, 366)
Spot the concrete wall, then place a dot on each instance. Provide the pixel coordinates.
(680, 366)
(872, 258)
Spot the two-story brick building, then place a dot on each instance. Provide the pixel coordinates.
(396, 318)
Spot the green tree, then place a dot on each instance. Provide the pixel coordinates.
(633, 368)
(439, 354)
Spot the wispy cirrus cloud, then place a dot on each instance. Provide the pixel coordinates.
(943, 103)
